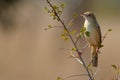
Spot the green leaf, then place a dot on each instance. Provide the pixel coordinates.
(65, 31)
(65, 37)
(100, 46)
(54, 18)
(49, 26)
(80, 35)
(87, 33)
(89, 66)
(114, 66)
(55, 7)
(73, 49)
(83, 29)
(46, 8)
(59, 78)
(53, 14)
(62, 5)
(75, 15)
(109, 30)
(73, 32)
(59, 12)
(71, 24)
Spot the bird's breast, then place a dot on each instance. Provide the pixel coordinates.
(91, 28)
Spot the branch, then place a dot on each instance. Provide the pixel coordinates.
(70, 36)
(106, 34)
(74, 76)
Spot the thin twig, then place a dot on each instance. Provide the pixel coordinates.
(105, 36)
(57, 26)
(70, 36)
(77, 40)
(96, 72)
(74, 76)
(91, 73)
(71, 21)
(76, 57)
(53, 27)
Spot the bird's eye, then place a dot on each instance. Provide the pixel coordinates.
(89, 14)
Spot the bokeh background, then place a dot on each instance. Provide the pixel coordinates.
(28, 52)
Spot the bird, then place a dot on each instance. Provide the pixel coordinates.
(94, 38)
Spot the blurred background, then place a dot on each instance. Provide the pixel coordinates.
(28, 52)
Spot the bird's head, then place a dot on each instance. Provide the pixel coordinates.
(88, 16)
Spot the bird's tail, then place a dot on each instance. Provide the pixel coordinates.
(94, 57)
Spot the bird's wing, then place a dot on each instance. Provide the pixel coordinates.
(99, 35)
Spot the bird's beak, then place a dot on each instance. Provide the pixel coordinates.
(82, 14)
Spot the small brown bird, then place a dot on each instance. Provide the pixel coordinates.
(94, 38)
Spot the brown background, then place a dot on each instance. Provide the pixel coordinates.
(27, 52)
